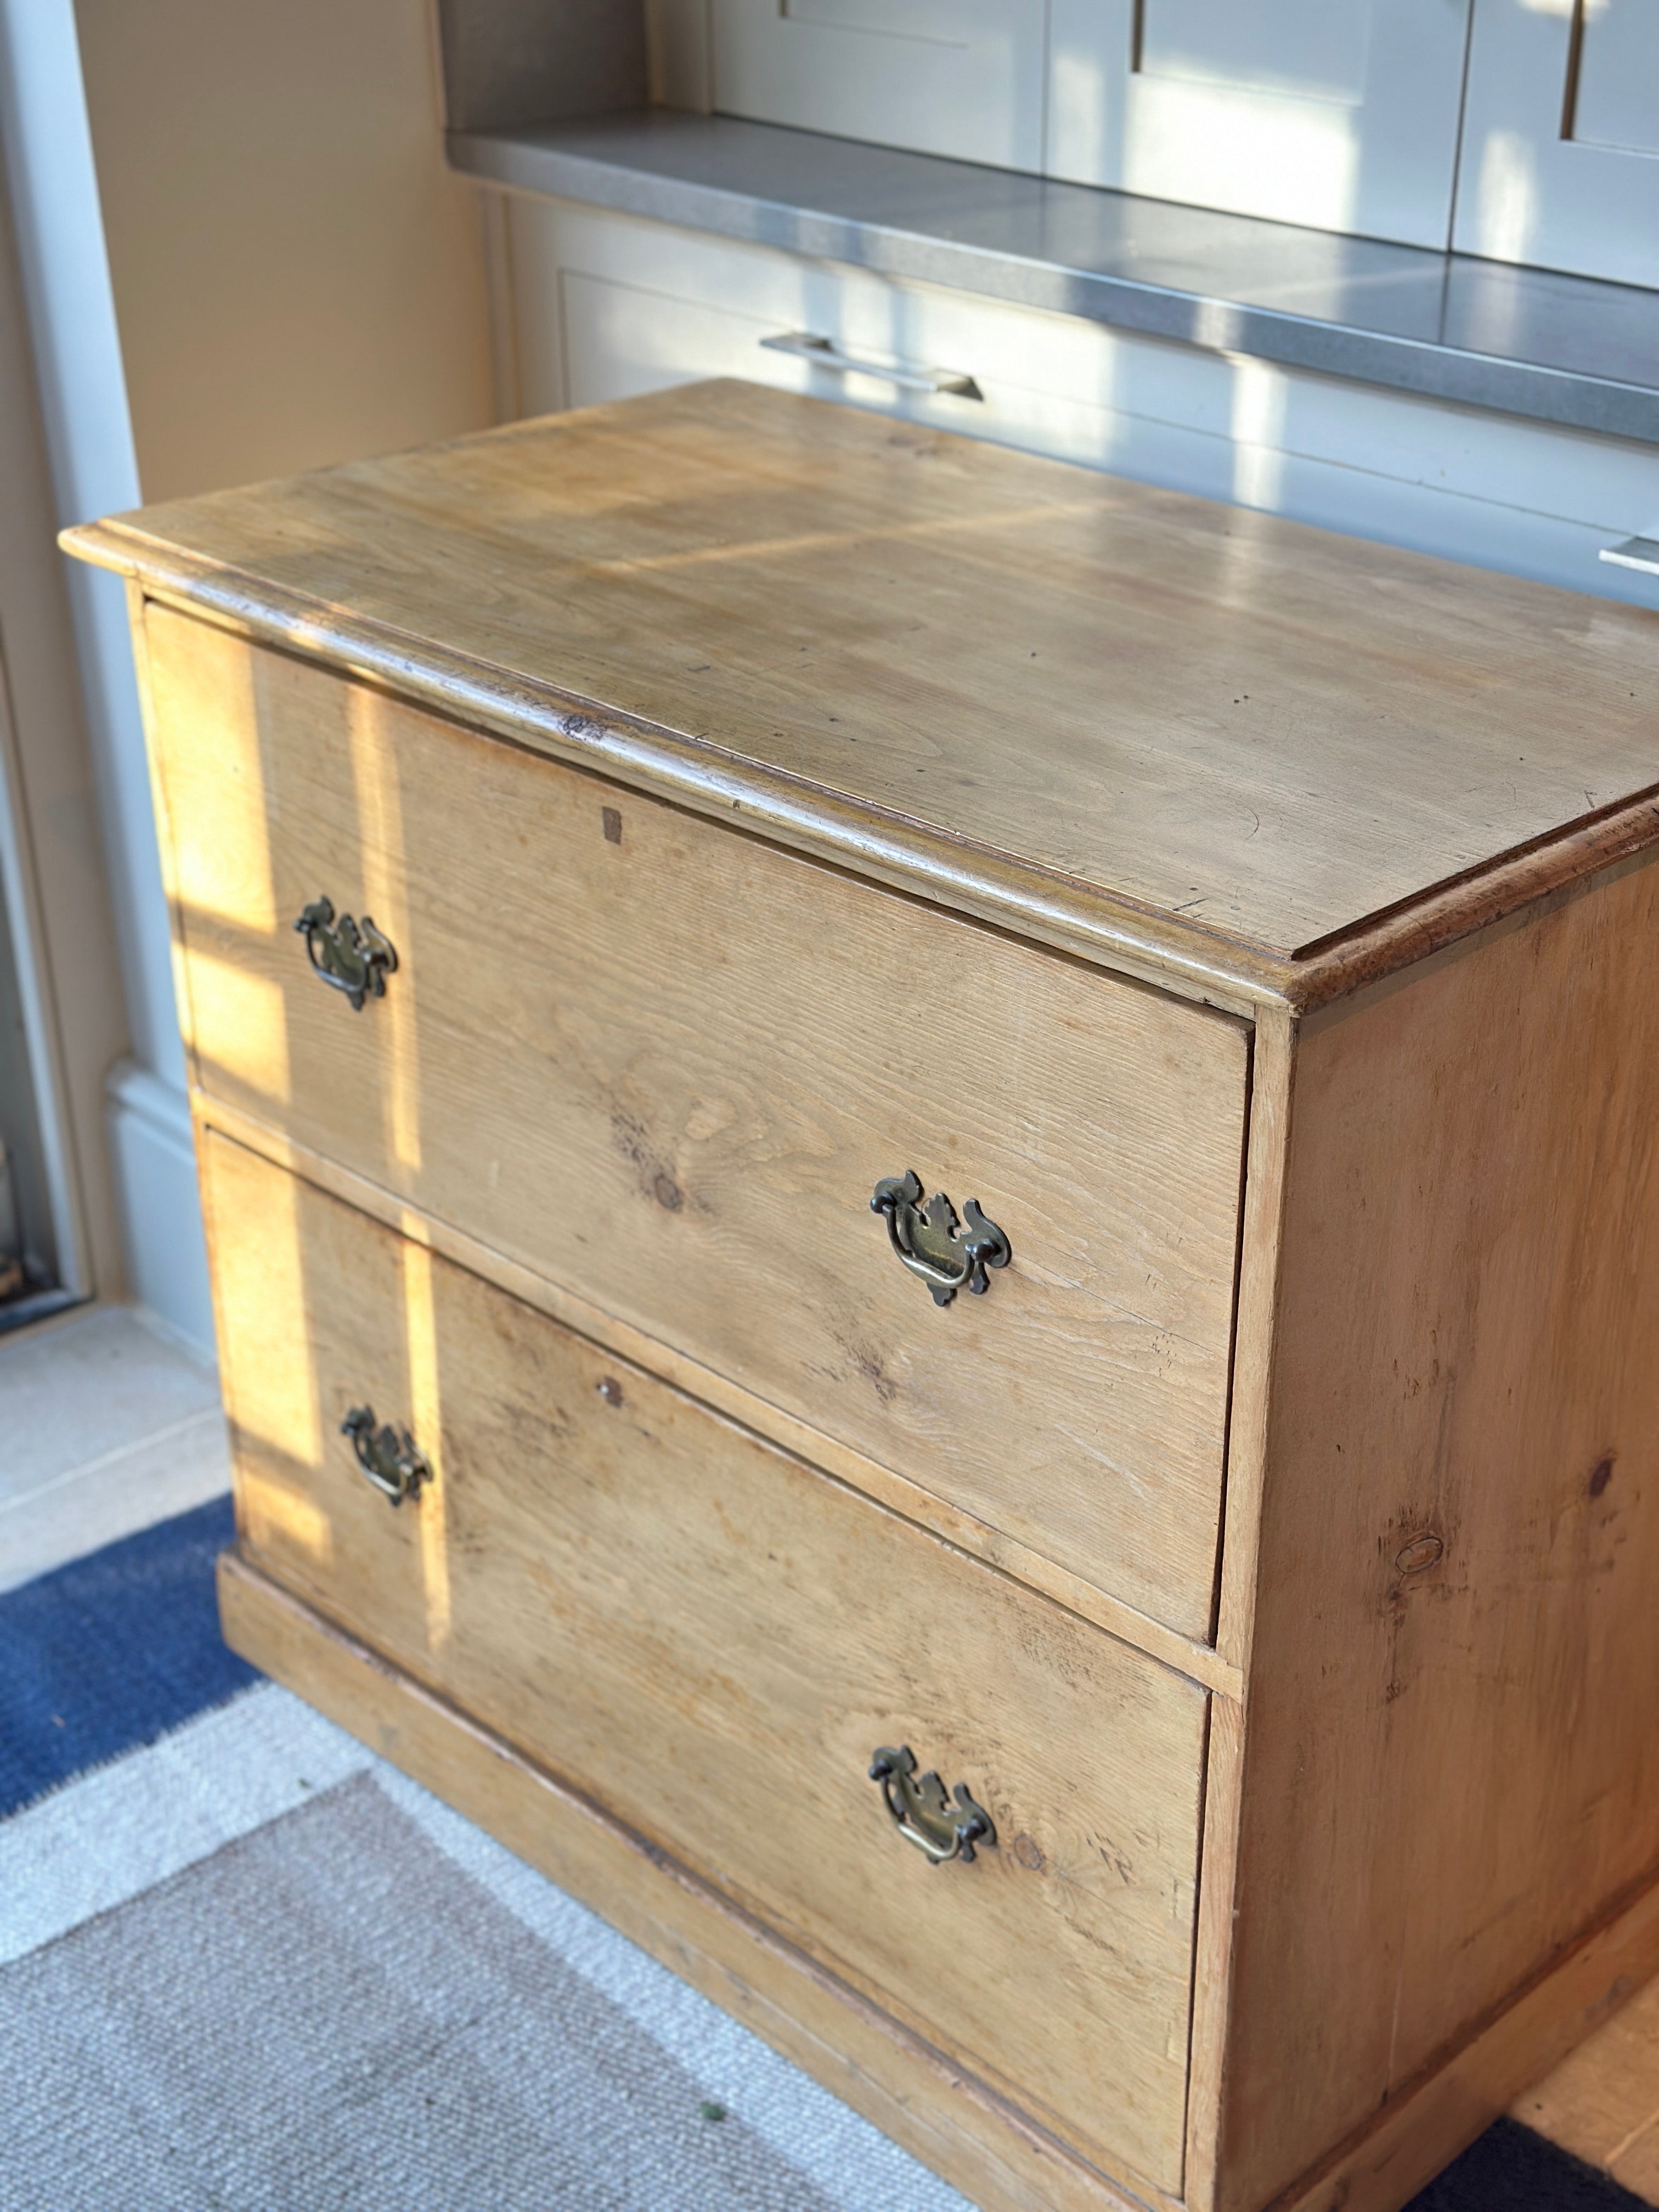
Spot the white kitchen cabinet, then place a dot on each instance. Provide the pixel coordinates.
(1342, 114)
(959, 77)
(1560, 163)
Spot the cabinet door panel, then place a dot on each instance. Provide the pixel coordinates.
(960, 77)
(620, 341)
(1560, 163)
(1303, 47)
(1616, 96)
(1342, 114)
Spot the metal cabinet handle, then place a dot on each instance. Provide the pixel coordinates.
(350, 956)
(929, 1241)
(1639, 552)
(908, 376)
(389, 1457)
(919, 1809)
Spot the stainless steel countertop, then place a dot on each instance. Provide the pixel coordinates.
(1528, 342)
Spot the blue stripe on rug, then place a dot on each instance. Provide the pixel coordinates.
(112, 1651)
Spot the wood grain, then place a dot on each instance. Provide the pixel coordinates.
(1465, 2088)
(1185, 1653)
(712, 1639)
(1450, 1768)
(643, 1067)
(1252, 733)
(668, 1069)
(1262, 1249)
(965, 2132)
(945, 2117)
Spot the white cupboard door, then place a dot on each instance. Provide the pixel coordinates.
(1560, 163)
(1340, 114)
(960, 77)
(620, 340)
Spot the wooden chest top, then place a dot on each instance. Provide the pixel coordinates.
(1251, 758)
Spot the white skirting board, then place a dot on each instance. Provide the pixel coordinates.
(154, 1158)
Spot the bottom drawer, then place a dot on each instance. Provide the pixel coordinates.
(712, 1639)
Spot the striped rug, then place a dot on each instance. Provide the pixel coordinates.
(245, 1966)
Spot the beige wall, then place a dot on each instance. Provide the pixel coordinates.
(298, 279)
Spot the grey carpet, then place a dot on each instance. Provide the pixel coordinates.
(328, 2013)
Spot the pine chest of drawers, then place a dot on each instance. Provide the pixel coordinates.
(933, 1187)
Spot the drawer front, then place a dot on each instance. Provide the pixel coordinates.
(712, 1639)
(666, 1064)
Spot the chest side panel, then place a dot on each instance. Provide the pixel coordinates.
(1451, 1768)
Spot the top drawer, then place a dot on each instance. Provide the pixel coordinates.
(665, 1065)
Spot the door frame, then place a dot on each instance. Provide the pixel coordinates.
(52, 857)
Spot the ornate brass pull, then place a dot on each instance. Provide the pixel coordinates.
(931, 1245)
(923, 1815)
(350, 956)
(389, 1458)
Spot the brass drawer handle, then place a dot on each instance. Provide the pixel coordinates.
(389, 1457)
(350, 956)
(923, 1814)
(931, 1245)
